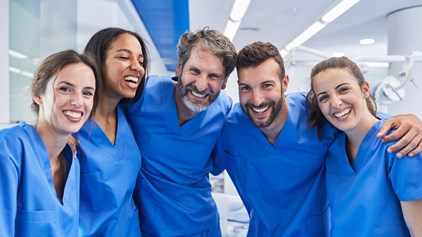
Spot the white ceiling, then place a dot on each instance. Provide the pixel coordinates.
(280, 21)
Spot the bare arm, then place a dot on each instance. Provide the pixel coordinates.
(412, 213)
(408, 134)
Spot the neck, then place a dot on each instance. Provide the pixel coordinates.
(53, 141)
(272, 131)
(356, 135)
(106, 117)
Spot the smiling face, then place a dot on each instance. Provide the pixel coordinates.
(68, 99)
(201, 79)
(340, 98)
(123, 67)
(261, 93)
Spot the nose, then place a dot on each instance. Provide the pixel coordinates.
(336, 101)
(76, 100)
(257, 97)
(136, 66)
(201, 83)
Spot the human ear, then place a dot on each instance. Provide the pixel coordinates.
(223, 86)
(365, 89)
(37, 99)
(178, 69)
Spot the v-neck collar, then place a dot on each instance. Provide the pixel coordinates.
(44, 159)
(361, 158)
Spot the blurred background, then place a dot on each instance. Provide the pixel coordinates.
(384, 37)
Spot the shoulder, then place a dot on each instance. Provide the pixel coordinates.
(224, 102)
(297, 100)
(236, 116)
(156, 88)
(17, 132)
(155, 81)
(16, 139)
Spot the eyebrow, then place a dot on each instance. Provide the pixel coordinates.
(128, 51)
(342, 85)
(73, 85)
(324, 92)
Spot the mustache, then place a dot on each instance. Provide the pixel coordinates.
(263, 105)
(205, 92)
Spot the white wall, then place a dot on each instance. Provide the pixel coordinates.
(4, 62)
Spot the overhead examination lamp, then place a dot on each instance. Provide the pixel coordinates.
(391, 88)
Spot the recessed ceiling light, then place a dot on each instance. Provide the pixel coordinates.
(366, 41)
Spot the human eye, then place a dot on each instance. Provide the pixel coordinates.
(88, 93)
(123, 57)
(244, 88)
(64, 89)
(322, 98)
(267, 85)
(343, 89)
(215, 77)
(194, 71)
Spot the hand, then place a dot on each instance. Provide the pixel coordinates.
(408, 134)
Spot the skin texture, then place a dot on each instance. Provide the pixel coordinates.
(408, 134)
(261, 94)
(64, 107)
(68, 100)
(124, 59)
(343, 103)
(123, 70)
(201, 79)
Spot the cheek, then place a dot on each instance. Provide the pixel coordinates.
(243, 98)
(216, 86)
(88, 104)
(324, 107)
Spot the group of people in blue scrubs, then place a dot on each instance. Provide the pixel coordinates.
(364, 181)
(39, 171)
(275, 159)
(146, 153)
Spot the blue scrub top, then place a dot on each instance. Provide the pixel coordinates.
(365, 197)
(173, 192)
(28, 201)
(108, 176)
(281, 185)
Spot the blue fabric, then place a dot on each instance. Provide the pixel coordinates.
(28, 202)
(173, 192)
(365, 197)
(281, 185)
(108, 177)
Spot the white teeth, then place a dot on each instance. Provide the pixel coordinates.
(131, 79)
(198, 95)
(259, 110)
(73, 114)
(342, 113)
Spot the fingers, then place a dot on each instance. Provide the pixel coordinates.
(401, 131)
(409, 144)
(387, 126)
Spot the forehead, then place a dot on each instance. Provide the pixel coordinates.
(335, 74)
(78, 74)
(205, 60)
(269, 70)
(333, 77)
(126, 41)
